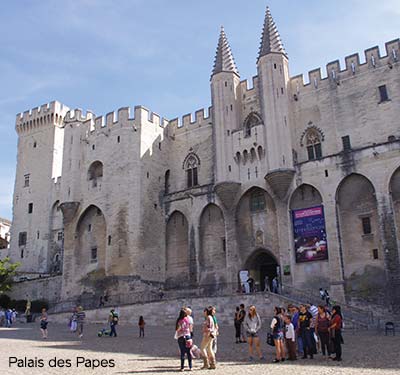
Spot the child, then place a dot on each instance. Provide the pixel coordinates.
(141, 325)
(290, 338)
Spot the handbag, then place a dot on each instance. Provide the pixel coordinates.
(270, 339)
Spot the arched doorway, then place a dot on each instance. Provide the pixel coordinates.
(260, 265)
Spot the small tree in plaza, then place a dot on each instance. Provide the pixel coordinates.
(7, 271)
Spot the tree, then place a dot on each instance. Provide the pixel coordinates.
(7, 271)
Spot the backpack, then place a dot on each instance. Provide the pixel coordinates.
(115, 318)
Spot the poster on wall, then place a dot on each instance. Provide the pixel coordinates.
(309, 234)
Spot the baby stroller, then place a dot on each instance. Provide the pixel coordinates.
(104, 332)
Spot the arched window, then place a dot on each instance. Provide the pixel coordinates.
(166, 181)
(257, 201)
(313, 143)
(253, 119)
(191, 171)
(95, 172)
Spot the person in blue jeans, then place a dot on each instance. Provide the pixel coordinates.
(113, 319)
(182, 334)
(295, 321)
(305, 318)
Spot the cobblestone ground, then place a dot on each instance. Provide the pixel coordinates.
(363, 353)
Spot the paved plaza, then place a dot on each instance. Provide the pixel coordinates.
(363, 353)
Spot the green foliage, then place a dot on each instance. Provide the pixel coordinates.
(7, 271)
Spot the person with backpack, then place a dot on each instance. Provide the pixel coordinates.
(113, 320)
(141, 325)
(278, 327)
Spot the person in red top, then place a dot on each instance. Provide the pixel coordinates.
(335, 329)
(322, 328)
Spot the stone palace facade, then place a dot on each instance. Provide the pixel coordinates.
(280, 177)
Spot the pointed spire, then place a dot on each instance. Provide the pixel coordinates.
(270, 40)
(224, 61)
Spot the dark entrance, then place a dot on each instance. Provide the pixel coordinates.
(260, 265)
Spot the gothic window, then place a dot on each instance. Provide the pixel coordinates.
(95, 172)
(191, 166)
(252, 120)
(313, 142)
(257, 201)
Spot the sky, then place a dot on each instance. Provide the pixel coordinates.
(106, 54)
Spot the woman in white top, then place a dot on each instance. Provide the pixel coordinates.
(252, 324)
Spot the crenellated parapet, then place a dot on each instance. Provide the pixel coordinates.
(249, 88)
(50, 114)
(353, 67)
(189, 121)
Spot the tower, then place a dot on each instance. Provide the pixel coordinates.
(225, 81)
(273, 73)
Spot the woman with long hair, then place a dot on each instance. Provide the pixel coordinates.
(182, 333)
(335, 329)
(209, 334)
(277, 327)
(252, 324)
(322, 329)
(43, 323)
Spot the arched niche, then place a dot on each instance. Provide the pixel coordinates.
(212, 257)
(177, 250)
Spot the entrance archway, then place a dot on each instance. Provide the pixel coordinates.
(261, 264)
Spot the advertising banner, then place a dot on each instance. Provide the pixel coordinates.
(309, 234)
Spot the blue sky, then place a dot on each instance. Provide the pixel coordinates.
(106, 54)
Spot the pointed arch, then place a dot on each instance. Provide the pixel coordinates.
(252, 119)
(305, 196)
(358, 225)
(212, 257)
(177, 249)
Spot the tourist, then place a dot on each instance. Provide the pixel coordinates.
(327, 298)
(252, 324)
(73, 321)
(290, 338)
(13, 316)
(80, 318)
(43, 323)
(250, 281)
(141, 325)
(215, 341)
(277, 327)
(266, 284)
(207, 342)
(305, 319)
(189, 315)
(113, 320)
(8, 318)
(242, 330)
(314, 339)
(275, 285)
(322, 329)
(295, 321)
(237, 323)
(2, 317)
(335, 329)
(182, 334)
(322, 294)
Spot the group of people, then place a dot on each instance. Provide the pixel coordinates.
(185, 336)
(7, 317)
(302, 330)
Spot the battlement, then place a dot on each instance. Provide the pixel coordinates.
(353, 67)
(249, 87)
(189, 121)
(76, 115)
(52, 113)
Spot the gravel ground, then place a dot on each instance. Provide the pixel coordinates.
(363, 353)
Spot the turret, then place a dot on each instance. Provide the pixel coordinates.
(273, 73)
(225, 84)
